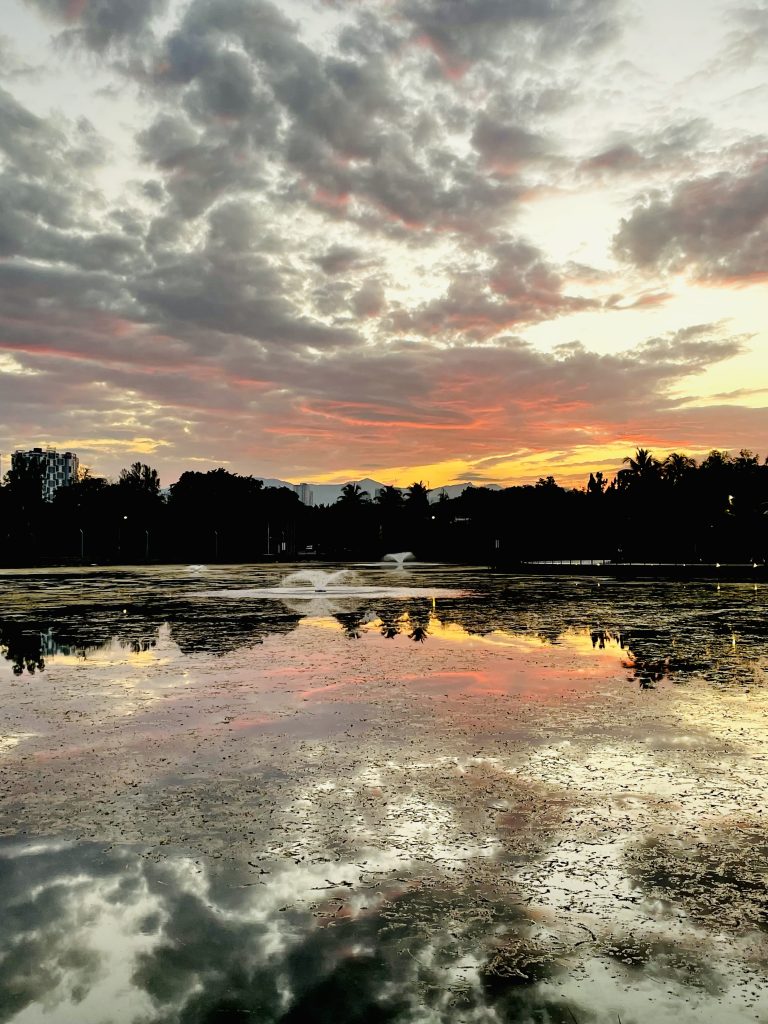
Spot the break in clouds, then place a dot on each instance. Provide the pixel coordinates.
(311, 237)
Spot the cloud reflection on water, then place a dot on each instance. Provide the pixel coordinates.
(113, 931)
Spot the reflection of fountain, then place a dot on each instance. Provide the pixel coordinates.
(197, 568)
(304, 586)
(318, 579)
(399, 557)
(318, 605)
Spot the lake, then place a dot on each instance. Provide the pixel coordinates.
(423, 795)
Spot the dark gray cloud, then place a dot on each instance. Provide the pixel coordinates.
(716, 227)
(343, 125)
(338, 259)
(51, 206)
(233, 293)
(370, 298)
(99, 24)
(520, 287)
(463, 31)
(506, 146)
(674, 148)
(40, 147)
(619, 158)
(201, 167)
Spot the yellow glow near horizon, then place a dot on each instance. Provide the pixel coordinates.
(570, 468)
(142, 445)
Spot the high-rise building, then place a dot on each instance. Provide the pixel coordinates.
(305, 494)
(61, 469)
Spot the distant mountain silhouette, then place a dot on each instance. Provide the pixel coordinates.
(327, 494)
(454, 490)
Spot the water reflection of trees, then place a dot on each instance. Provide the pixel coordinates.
(661, 632)
(228, 629)
(196, 629)
(22, 648)
(26, 643)
(410, 617)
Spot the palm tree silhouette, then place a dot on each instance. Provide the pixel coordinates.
(677, 467)
(353, 496)
(390, 499)
(642, 468)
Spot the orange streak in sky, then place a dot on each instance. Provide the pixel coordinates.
(338, 201)
(738, 281)
(333, 411)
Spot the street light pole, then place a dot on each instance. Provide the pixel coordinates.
(119, 524)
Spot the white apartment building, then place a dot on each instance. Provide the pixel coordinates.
(305, 494)
(61, 469)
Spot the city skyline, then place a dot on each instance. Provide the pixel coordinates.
(474, 240)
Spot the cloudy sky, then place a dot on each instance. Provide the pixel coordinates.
(416, 239)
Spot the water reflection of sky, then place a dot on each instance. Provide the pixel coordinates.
(116, 935)
(416, 810)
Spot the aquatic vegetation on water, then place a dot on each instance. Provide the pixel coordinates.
(285, 811)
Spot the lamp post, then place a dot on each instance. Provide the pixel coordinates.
(82, 543)
(119, 524)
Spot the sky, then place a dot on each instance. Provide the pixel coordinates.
(438, 240)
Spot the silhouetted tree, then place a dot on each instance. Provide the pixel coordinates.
(351, 528)
(353, 496)
(390, 505)
(642, 469)
(596, 484)
(417, 498)
(676, 468)
(671, 510)
(140, 478)
(24, 510)
(390, 499)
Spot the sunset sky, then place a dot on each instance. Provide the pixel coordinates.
(445, 240)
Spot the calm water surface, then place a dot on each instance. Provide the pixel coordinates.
(436, 795)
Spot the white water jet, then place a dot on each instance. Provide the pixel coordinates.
(399, 557)
(318, 579)
(304, 586)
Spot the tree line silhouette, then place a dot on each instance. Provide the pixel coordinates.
(670, 510)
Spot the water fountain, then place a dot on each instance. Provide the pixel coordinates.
(318, 579)
(307, 585)
(399, 557)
